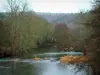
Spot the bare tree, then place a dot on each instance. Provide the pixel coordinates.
(16, 10)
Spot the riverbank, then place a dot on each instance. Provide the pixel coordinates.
(74, 59)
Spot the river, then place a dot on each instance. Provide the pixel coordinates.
(52, 66)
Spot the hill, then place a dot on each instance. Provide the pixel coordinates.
(54, 18)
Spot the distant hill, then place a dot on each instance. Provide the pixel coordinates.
(54, 18)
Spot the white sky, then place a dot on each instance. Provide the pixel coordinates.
(55, 6)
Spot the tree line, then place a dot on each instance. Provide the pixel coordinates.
(20, 30)
(91, 43)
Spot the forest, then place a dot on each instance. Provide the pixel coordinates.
(23, 32)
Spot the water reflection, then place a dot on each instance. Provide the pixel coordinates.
(40, 68)
(61, 69)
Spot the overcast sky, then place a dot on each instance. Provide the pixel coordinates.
(55, 6)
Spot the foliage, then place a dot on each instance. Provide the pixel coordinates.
(63, 36)
(74, 59)
(93, 41)
(46, 42)
(21, 30)
(81, 31)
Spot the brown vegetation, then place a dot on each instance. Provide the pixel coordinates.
(74, 59)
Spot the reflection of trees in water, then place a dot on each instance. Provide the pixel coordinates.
(14, 68)
(5, 68)
(75, 69)
(25, 69)
(42, 68)
(83, 67)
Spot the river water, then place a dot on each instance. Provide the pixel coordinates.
(52, 66)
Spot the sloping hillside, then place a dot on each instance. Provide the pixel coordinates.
(68, 18)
